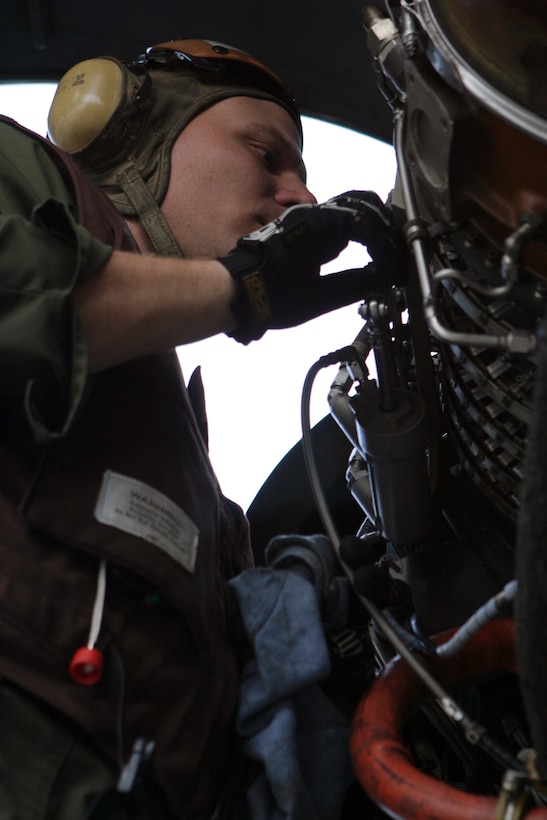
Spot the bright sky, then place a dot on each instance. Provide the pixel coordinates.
(253, 392)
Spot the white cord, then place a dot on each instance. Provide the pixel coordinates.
(98, 605)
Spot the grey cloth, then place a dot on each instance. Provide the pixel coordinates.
(286, 723)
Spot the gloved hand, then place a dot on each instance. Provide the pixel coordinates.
(277, 268)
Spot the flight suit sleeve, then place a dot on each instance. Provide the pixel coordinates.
(44, 255)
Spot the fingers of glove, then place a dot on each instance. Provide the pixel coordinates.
(308, 233)
(361, 200)
(372, 225)
(327, 293)
(357, 198)
(339, 289)
(368, 213)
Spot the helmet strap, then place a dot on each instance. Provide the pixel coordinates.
(148, 212)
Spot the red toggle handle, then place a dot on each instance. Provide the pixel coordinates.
(86, 666)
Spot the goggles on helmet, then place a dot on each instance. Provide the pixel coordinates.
(210, 56)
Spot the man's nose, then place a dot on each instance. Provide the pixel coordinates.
(292, 190)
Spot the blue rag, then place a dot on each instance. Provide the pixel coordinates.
(286, 723)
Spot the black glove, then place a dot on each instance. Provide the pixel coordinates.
(277, 268)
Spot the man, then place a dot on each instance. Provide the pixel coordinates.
(117, 664)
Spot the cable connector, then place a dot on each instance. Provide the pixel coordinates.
(344, 354)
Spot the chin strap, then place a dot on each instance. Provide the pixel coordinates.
(147, 210)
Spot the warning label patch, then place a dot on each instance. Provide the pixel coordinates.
(138, 509)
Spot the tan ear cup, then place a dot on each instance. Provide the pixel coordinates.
(86, 97)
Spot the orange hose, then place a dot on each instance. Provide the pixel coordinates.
(382, 763)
